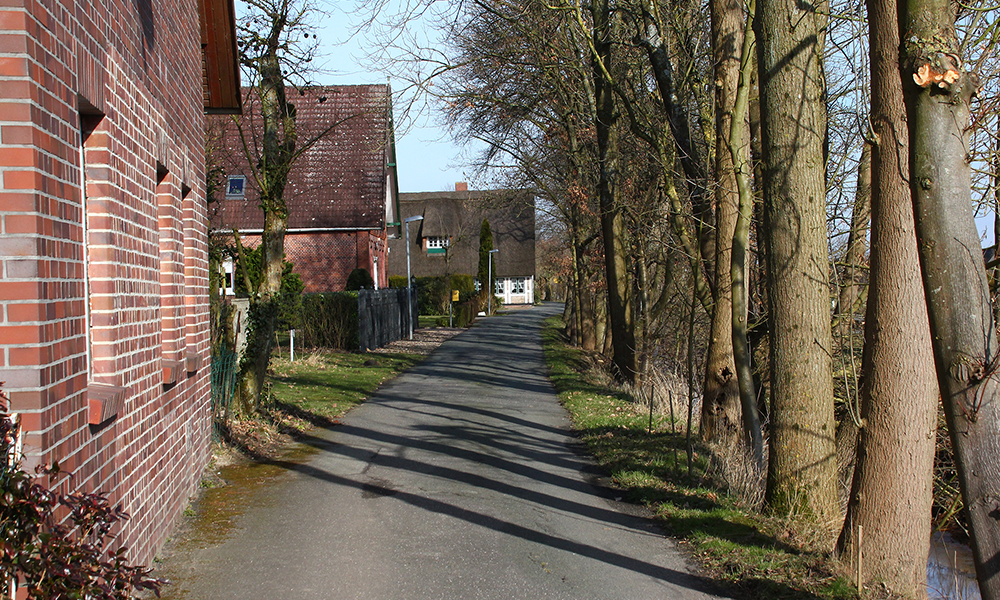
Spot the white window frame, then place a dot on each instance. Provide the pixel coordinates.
(437, 242)
(236, 186)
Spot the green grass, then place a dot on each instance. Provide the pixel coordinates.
(322, 386)
(759, 556)
(432, 321)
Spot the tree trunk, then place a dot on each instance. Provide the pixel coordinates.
(857, 244)
(569, 316)
(590, 321)
(738, 142)
(688, 153)
(720, 407)
(279, 140)
(892, 487)
(994, 274)
(937, 94)
(577, 298)
(612, 225)
(802, 473)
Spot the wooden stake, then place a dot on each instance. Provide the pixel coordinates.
(861, 531)
(652, 390)
(673, 425)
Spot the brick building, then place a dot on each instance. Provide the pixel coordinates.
(341, 193)
(446, 241)
(104, 342)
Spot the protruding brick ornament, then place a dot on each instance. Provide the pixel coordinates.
(105, 402)
(172, 371)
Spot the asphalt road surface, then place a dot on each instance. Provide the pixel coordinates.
(460, 479)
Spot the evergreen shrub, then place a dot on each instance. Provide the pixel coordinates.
(330, 320)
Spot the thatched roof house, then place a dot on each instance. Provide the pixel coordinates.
(446, 241)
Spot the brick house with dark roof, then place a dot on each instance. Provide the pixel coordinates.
(104, 342)
(341, 193)
(446, 241)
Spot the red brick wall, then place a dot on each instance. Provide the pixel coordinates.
(324, 260)
(111, 289)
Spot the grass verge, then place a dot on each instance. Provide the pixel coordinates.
(758, 556)
(315, 390)
(322, 386)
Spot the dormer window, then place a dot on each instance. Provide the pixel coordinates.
(436, 244)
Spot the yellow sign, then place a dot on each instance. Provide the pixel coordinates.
(454, 295)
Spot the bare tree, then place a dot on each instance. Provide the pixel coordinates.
(938, 93)
(720, 408)
(889, 512)
(277, 46)
(738, 145)
(802, 473)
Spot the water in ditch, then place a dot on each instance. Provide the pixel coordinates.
(951, 573)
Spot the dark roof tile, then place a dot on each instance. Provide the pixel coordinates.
(338, 182)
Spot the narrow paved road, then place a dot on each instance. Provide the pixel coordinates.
(457, 480)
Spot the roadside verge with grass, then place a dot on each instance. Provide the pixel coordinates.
(315, 390)
(759, 557)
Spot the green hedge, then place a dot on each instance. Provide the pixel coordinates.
(465, 313)
(330, 320)
(358, 279)
(434, 293)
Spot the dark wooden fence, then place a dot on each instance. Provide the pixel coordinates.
(383, 318)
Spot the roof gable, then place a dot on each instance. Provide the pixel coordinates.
(459, 215)
(341, 181)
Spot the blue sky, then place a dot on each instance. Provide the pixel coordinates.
(426, 158)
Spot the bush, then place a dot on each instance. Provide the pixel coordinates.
(289, 298)
(465, 284)
(397, 281)
(465, 312)
(330, 320)
(434, 293)
(52, 556)
(358, 279)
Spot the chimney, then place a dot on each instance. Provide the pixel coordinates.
(461, 186)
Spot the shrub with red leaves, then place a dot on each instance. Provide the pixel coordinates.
(56, 546)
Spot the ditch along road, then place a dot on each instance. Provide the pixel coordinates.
(460, 479)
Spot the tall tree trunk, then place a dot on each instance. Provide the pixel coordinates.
(720, 407)
(994, 273)
(612, 223)
(937, 94)
(892, 487)
(688, 154)
(802, 474)
(576, 300)
(738, 142)
(857, 244)
(642, 309)
(279, 141)
(591, 319)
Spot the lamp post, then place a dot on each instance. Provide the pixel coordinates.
(489, 282)
(409, 287)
